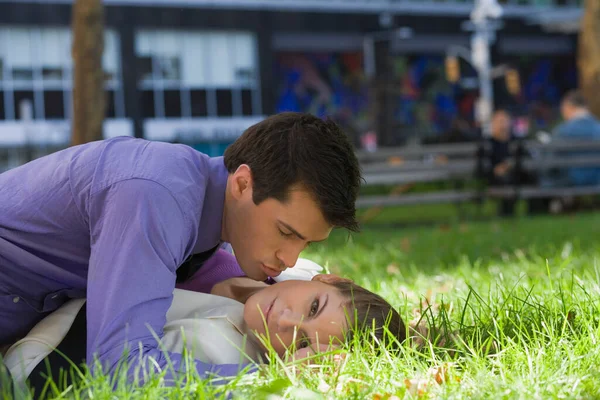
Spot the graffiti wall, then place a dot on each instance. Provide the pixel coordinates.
(324, 84)
(544, 81)
(425, 104)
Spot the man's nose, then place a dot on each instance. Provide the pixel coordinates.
(288, 256)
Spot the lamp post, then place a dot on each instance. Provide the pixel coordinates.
(483, 36)
(479, 57)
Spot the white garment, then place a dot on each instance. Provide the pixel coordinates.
(304, 270)
(211, 327)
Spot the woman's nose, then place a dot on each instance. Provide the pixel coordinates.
(288, 320)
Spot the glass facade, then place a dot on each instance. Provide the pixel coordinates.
(36, 74)
(198, 74)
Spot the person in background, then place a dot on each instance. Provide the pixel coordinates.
(501, 165)
(579, 124)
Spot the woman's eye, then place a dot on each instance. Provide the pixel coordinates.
(314, 307)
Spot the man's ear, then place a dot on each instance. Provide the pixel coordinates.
(241, 181)
(330, 279)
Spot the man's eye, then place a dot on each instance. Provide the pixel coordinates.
(304, 343)
(314, 307)
(282, 233)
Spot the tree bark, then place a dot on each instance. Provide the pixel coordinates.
(89, 101)
(589, 55)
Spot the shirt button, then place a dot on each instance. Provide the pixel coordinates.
(16, 299)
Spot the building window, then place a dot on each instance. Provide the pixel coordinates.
(36, 70)
(197, 74)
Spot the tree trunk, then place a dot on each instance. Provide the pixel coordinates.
(589, 55)
(88, 78)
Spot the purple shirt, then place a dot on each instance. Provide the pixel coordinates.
(220, 266)
(111, 221)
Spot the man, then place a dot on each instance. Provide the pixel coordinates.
(501, 165)
(114, 220)
(579, 124)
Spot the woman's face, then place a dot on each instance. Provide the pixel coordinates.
(316, 310)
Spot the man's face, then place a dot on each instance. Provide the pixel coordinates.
(501, 126)
(268, 238)
(308, 314)
(566, 110)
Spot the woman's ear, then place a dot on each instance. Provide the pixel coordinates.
(330, 279)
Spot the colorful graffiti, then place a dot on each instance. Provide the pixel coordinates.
(544, 81)
(425, 104)
(326, 85)
(426, 100)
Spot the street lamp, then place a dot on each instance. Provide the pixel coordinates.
(479, 56)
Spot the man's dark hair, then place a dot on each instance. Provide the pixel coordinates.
(290, 149)
(575, 98)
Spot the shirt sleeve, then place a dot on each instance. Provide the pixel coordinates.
(139, 236)
(221, 266)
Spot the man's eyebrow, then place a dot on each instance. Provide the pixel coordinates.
(298, 234)
(295, 232)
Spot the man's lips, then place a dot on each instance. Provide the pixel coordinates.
(272, 272)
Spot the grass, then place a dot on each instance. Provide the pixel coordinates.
(513, 307)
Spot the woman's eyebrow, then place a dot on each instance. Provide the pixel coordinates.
(320, 310)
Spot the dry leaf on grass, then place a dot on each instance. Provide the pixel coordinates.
(392, 269)
(386, 396)
(440, 374)
(416, 386)
(395, 160)
(405, 244)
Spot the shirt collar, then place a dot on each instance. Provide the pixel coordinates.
(209, 230)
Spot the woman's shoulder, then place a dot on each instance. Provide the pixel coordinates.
(190, 304)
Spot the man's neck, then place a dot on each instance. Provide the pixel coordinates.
(226, 202)
(580, 114)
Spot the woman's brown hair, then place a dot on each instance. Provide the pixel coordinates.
(370, 314)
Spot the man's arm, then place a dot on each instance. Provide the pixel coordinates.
(139, 237)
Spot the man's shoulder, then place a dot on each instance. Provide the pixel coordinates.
(170, 165)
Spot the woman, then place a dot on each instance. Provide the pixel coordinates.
(239, 322)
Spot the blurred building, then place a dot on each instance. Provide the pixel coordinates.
(201, 71)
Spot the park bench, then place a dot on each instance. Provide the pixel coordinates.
(405, 166)
(464, 162)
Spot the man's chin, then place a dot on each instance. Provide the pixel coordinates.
(270, 272)
(257, 274)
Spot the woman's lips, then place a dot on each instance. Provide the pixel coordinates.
(268, 313)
